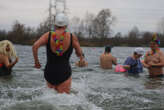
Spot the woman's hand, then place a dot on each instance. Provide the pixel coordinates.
(37, 65)
(16, 60)
(10, 64)
(81, 59)
(147, 66)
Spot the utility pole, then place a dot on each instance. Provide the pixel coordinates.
(56, 6)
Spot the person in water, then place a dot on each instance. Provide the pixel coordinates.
(154, 58)
(7, 52)
(59, 45)
(106, 59)
(82, 62)
(133, 64)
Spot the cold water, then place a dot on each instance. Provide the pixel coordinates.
(92, 87)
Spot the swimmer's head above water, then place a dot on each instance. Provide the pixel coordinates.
(108, 49)
(154, 43)
(155, 39)
(7, 49)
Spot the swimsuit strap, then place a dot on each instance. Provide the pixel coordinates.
(58, 43)
(1, 65)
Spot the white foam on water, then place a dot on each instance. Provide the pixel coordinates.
(16, 94)
(77, 97)
(12, 102)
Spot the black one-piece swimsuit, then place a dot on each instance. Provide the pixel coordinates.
(57, 69)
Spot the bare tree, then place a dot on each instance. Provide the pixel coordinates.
(17, 32)
(146, 38)
(133, 36)
(75, 24)
(102, 23)
(43, 27)
(88, 22)
(134, 33)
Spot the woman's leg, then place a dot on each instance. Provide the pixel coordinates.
(65, 86)
(50, 85)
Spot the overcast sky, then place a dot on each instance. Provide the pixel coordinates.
(145, 14)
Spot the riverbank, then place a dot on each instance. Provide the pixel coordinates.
(96, 42)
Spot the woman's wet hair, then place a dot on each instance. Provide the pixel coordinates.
(83, 55)
(135, 53)
(108, 49)
(3, 45)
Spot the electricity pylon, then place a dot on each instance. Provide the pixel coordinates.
(56, 6)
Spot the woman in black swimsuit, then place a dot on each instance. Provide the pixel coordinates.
(59, 45)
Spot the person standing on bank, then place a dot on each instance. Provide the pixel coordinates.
(106, 59)
(59, 45)
(154, 59)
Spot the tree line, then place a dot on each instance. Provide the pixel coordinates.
(92, 30)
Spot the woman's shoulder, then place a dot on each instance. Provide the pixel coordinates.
(74, 37)
(130, 58)
(161, 53)
(46, 35)
(148, 53)
(68, 34)
(3, 58)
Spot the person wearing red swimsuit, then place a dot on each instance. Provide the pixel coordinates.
(7, 52)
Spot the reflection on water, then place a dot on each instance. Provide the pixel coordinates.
(154, 83)
(92, 87)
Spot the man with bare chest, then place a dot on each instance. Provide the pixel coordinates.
(154, 59)
(106, 59)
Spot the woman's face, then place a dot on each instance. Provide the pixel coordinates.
(153, 45)
(138, 56)
(8, 48)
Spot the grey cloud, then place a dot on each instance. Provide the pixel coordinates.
(143, 13)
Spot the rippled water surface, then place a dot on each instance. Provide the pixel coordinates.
(92, 87)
